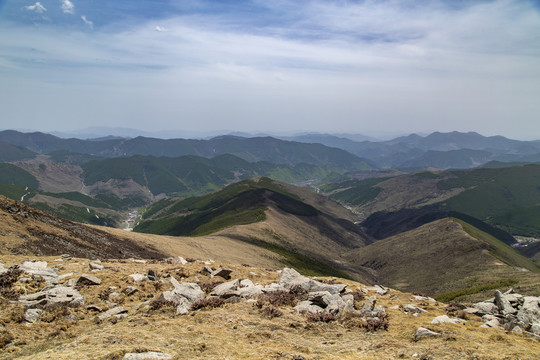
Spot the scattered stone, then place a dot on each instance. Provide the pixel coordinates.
(32, 315)
(445, 319)
(57, 295)
(113, 295)
(151, 275)
(94, 308)
(491, 324)
(86, 279)
(423, 332)
(138, 277)
(411, 308)
(149, 355)
(71, 318)
(207, 270)
(138, 261)
(95, 266)
(535, 328)
(114, 311)
(130, 290)
(224, 273)
(71, 282)
(179, 261)
(517, 330)
(64, 276)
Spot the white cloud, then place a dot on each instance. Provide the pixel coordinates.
(37, 7)
(161, 29)
(67, 7)
(86, 21)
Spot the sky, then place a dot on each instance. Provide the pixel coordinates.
(369, 67)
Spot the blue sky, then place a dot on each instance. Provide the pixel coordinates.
(371, 67)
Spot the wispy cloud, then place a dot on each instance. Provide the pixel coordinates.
(67, 7)
(307, 61)
(37, 7)
(86, 21)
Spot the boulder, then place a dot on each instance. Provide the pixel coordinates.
(58, 295)
(445, 319)
(535, 328)
(227, 289)
(423, 332)
(308, 307)
(149, 355)
(290, 278)
(39, 268)
(369, 305)
(529, 311)
(86, 279)
(222, 272)
(190, 291)
(114, 311)
(486, 307)
(503, 304)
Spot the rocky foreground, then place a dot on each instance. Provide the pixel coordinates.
(65, 308)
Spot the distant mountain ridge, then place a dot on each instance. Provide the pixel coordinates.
(250, 149)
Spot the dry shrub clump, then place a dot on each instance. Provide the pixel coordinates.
(271, 312)
(10, 313)
(7, 279)
(5, 337)
(277, 298)
(161, 303)
(355, 320)
(358, 299)
(321, 317)
(211, 302)
(299, 292)
(54, 312)
(208, 287)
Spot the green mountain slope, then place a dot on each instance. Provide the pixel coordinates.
(238, 204)
(447, 257)
(9, 152)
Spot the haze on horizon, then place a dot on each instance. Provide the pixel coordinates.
(369, 67)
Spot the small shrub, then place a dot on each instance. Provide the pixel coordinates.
(10, 313)
(9, 277)
(321, 317)
(208, 287)
(211, 302)
(104, 294)
(418, 293)
(54, 312)
(5, 337)
(160, 303)
(279, 298)
(299, 292)
(358, 299)
(271, 312)
(374, 324)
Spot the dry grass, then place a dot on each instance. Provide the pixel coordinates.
(237, 330)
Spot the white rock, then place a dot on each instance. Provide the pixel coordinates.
(150, 355)
(423, 332)
(445, 319)
(139, 277)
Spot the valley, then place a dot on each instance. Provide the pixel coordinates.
(448, 235)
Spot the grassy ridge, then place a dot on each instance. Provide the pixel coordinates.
(499, 249)
(238, 204)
